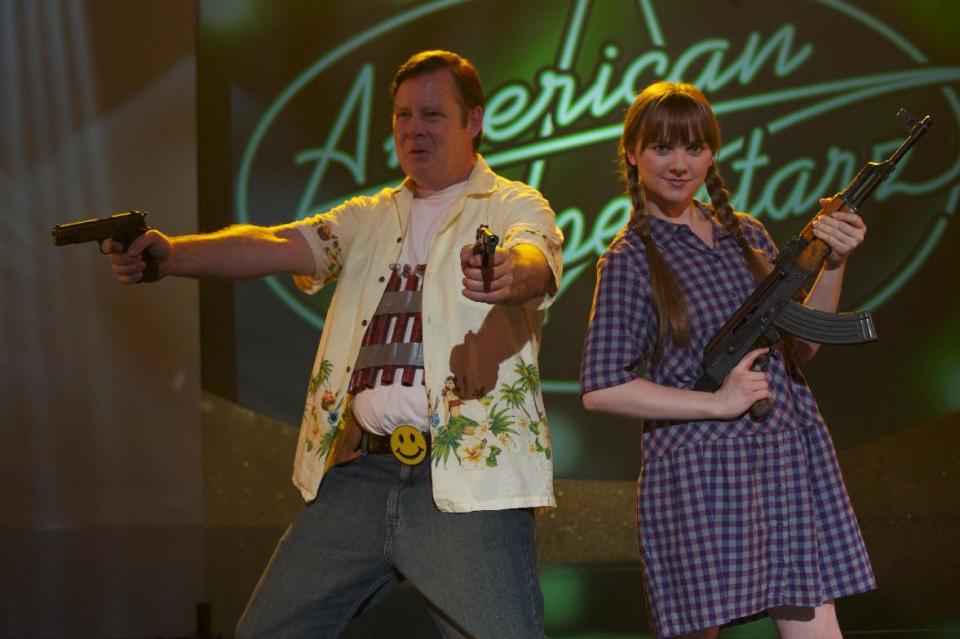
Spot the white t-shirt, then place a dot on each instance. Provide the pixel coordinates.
(384, 407)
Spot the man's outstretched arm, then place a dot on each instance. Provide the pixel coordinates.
(236, 252)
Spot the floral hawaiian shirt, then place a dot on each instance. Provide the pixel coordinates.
(490, 442)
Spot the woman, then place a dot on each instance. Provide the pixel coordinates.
(738, 518)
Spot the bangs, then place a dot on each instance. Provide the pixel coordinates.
(678, 120)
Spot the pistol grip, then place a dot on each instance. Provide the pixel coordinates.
(151, 272)
(760, 409)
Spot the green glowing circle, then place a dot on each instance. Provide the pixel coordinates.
(535, 139)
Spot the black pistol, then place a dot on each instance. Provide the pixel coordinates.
(123, 227)
(486, 244)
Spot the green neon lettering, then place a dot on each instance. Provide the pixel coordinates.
(510, 112)
(713, 49)
(562, 100)
(572, 222)
(579, 251)
(610, 220)
(504, 106)
(800, 170)
(630, 83)
(841, 167)
(357, 105)
(746, 167)
(780, 43)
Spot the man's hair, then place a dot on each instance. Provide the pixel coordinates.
(464, 74)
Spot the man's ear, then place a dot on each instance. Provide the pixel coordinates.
(475, 121)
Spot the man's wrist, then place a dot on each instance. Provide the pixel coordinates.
(536, 273)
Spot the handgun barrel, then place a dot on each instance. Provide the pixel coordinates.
(99, 229)
(85, 231)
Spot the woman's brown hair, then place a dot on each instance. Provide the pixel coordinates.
(676, 114)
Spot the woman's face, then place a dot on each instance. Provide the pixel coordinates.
(671, 173)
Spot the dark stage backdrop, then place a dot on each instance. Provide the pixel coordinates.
(101, 463)
(101, 482)
(294, 104)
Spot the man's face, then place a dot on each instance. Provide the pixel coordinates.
(434, 146)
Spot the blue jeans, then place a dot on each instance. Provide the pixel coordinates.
(373, 523)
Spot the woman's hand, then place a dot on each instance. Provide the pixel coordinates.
(742, 388)
(843, 231)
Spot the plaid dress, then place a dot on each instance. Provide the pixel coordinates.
(735, 517)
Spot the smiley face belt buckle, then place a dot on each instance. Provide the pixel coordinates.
(408, 445)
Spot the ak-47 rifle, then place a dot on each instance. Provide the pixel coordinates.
(773, 308)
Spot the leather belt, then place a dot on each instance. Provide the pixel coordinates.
(408, 444)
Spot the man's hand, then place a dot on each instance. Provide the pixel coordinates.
(843, 232)
(130, 265)
(514, 276)
(349, 448)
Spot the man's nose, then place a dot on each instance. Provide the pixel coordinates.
(417, 125)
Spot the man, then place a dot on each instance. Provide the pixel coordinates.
(423, 348)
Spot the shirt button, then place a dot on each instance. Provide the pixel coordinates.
(348, 369)
(399, 239)
(382, 278)
(363, 323)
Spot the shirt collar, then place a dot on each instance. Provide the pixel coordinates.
(481, 182)
(664, 232)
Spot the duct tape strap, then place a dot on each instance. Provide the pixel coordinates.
(396, 354)
(397, 302)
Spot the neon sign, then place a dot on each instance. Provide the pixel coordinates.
(776, 92)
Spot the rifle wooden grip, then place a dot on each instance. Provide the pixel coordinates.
(813, 257)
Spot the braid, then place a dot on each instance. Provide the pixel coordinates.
(720, 198)
(638, 212)
(667, 296)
